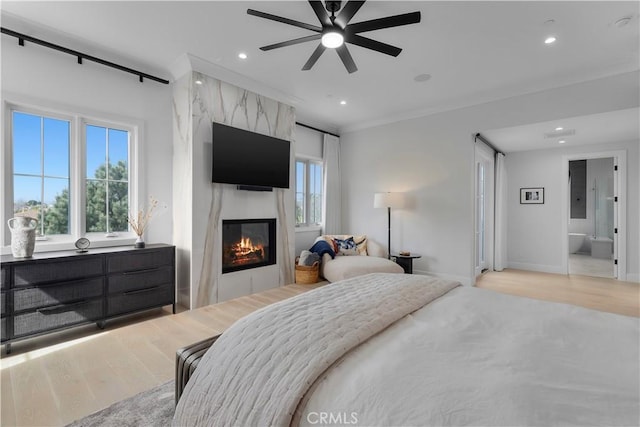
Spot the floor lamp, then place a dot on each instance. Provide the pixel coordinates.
(388, 200)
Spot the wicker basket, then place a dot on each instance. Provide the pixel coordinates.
(307, 274)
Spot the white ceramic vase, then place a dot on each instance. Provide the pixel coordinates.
(23, 236)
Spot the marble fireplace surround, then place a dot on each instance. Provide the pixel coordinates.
(200, 205)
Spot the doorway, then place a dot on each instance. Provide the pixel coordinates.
(594, 220)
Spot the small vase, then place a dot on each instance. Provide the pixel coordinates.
(139, 242)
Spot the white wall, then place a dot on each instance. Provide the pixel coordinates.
(431, 158)
(308, 145)
(51, 79)
(535, 231)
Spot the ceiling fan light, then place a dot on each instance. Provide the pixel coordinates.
(332, 39)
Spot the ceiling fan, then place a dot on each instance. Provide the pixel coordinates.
(336, 31)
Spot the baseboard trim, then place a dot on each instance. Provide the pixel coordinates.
(555, 269)
(633, 278)
(466, 281)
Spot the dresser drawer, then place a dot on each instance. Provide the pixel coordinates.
(142, 260)
(49, 318)
(156, 296)
(43, 296)
(4, 277)
(140, 279)
(55, 271)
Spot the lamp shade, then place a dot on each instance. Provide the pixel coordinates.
(388, 200)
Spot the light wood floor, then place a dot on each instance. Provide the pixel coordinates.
(55, 380)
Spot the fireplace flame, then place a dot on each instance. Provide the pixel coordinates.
(244, 252)
(246, 246)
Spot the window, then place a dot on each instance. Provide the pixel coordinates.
(309, 195)
(73, 184)
(41, 171)
(107, 185)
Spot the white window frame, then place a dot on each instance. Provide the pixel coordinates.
(307, 193)
(77, 173)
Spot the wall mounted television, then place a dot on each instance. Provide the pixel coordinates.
(247, 158)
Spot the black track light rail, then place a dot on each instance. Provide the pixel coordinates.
(81, 56)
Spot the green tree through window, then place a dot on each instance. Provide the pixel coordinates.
(112, 204)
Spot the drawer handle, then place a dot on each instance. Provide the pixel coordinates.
(140, 291)
(148, 270)
(61, 307)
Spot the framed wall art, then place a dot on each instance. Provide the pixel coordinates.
(532, 196)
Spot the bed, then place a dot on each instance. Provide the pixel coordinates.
(389, 349)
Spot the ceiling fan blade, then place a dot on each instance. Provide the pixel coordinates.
(388, 22)
(349, 9)
(372, 44)
(314, 57)
(292, 42)
(347, 60)
(284, 20)
(321, 12)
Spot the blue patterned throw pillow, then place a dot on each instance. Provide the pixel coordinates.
(346, 246)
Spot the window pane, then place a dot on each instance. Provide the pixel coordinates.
(118, 206)
(26, 144)
(96, 206)
(300, 192)
(56, 215)
(56, 148)
(96, 146)
(118, 171)
(315, 184)
(299, 208)
(26, 199)
(107, 184)
(26, 195)
(119, 152)
(36, 194)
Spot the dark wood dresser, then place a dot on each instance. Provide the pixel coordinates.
(57, 290)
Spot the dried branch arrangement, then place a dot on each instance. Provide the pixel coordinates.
(140, 221)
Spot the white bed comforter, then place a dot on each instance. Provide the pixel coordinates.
(475, 357)
(258, 371)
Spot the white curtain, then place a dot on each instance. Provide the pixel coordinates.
(500, 244)
(332, 187)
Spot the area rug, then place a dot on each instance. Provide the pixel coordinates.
(153, 407)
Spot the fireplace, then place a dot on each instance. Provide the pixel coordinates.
(248, 243)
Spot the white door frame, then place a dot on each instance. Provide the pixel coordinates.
(485, 155)
(620, 249)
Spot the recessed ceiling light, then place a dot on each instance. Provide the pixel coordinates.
(550, 40)
(549, 22)
(422, 77)
(242, 55)
(198, 82)
(559, 128)
(343, 102)
(562, 141)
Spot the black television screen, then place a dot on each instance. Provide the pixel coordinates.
(248, 158)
